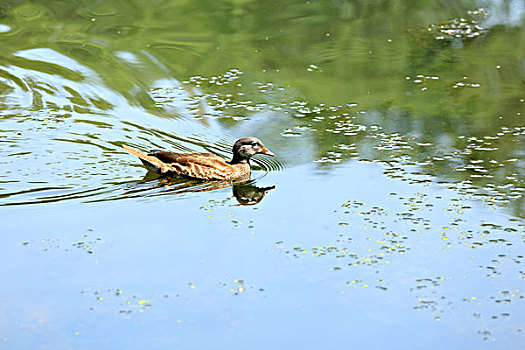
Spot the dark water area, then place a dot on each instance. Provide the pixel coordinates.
(392, 216)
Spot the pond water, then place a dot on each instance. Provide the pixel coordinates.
(393, 215)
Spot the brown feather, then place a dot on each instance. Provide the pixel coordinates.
(162, 168)
(204, 166)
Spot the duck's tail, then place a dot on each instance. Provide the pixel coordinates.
(151, 163)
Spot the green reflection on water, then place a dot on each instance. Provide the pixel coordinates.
(415, 74)
(407, 74)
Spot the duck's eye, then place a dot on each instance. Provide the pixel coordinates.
(254, 144)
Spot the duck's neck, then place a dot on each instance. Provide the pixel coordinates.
(239, 160)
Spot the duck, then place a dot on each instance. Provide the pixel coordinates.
(204, 166)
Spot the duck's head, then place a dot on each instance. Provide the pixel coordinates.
(245, 148)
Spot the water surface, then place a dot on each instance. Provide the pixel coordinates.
(393, 214)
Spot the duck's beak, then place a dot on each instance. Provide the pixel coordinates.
(267, 152)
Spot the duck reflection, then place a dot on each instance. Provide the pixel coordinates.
(245, 191)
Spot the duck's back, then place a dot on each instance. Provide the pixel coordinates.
(205, 166)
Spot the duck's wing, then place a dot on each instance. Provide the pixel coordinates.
(174, 157)
(204, 166)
